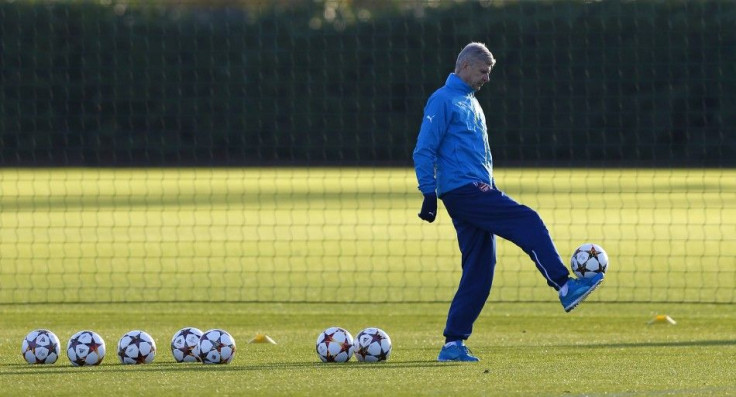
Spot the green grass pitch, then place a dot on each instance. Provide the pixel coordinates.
(526, 349)
(244, 239)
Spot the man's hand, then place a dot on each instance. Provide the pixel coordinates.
(429, 207)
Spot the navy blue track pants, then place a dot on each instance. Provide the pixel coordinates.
(480, 212)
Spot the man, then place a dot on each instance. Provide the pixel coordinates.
(452, 160)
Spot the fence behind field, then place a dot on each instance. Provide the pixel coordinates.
(177, 150)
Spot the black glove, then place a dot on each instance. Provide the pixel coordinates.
(429, 207)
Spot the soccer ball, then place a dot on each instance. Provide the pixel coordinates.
(185, 345)
(588, 260)
(216, 347)
(372, 345)
(335, 345)
(40, 346)
(85, 348)
(136, 347)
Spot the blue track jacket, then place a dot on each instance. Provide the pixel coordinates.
(452, 148)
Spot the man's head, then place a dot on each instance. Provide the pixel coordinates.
(474, 64)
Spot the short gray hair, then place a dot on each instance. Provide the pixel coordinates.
(474, 52)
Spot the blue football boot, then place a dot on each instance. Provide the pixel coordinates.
(578, 289)
(456, 351)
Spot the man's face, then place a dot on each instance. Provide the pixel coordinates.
(475, 74)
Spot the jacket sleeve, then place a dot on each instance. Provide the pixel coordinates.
(433, 128)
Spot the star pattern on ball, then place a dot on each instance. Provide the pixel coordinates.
(593, 252)
(186, 349)
(186, 332)
(74, 343)
(136, 340)
(42, 340)
(32, 344)
(376, 337)
(217, 343)
(93, 345)
(330, 357)
(345, 347)
(133, 345)
(141, 358)
(582, 269)
(327, 338)
(383, 356)
(588, 260)
(335, 344)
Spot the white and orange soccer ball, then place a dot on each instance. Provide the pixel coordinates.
(40, 346)
(372, 345)
(335, 344)
(216, 346)
(136, 347)
(85, 348)
(588, 260)
(185, 345)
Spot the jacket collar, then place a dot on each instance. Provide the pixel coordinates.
(456, 83)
